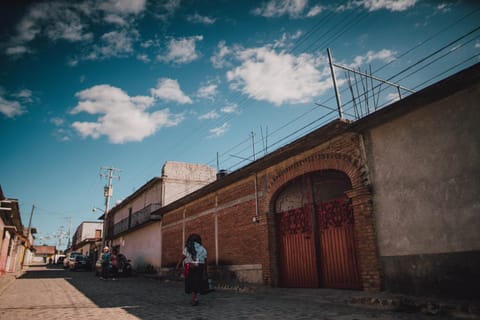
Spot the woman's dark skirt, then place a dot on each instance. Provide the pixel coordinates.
(194, 282)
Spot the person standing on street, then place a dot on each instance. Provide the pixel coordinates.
(105, 263)
(114, 263)
(194, 256)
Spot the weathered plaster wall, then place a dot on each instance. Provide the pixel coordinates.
(89, 229)
(184, 178)
(425, 173)
(143, 248)
(425, 169)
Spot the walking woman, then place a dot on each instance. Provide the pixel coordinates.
(195, 266)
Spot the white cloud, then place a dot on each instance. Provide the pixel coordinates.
(208, 91)
(10, 109)
(209, 115)
(113, 44)
(25, 95)
(169, 90)
(286, 40)
(230, 108)
(117, 11)
(277, 8)
(196, 18)
(279, 77)
(163, 10)
(57, 121)
(69, 20)
(69, 28)
(382, 55)
(62, 134)
(219, 131)
(53, 20)
(392, 97)
(17, 50)
(219, 58)
(14, 107)
(120, 117)
(182, 50)
(123, 6)
(314, 11)
(143, 58)
(392, 5)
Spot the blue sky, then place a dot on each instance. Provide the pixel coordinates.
(133, 83)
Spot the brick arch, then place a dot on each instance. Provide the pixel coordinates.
(360, 195)
(351, 166)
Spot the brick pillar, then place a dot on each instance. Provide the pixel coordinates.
(365, 238)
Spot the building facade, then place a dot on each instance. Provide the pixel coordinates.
(87, 237)
(131, 226)
(388, 202)
(16, 242)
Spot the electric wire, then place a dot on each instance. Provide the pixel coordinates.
(301, 41)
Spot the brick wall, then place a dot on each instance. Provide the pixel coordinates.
(243, 242)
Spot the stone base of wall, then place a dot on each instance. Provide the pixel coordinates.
(235, 274)
(231, 275)
(452, 275)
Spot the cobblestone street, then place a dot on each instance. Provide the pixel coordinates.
(54, 293)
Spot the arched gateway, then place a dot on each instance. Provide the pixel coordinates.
(322, 224)
(315, 234)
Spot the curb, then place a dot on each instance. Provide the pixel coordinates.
(462, 310)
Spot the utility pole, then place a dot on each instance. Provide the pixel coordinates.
(28, 234)
(109, 173)
(69, 238)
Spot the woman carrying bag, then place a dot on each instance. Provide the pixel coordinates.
(194, 256)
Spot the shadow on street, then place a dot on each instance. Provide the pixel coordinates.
(141, 297)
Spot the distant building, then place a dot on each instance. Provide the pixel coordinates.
(15, 240)
(44, 253)
(86, 238)
(131, 227)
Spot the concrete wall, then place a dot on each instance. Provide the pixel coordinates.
(89, 229)
(425, 174)
(142, 247)
(183, 178)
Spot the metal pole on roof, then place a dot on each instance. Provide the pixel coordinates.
(255, 218)
(334, 79)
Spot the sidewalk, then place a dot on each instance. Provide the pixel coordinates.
(7, 278)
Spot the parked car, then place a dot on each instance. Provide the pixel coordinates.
(60, 259)
(124, 266)
(80, 262)
(70, 257)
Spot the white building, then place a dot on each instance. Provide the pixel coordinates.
(130, 224)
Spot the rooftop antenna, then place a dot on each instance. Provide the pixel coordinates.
(361, 108)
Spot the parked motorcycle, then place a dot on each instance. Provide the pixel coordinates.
(124, 266)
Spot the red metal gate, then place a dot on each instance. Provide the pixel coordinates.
(336, 252)
(339, 268)
(298, 267)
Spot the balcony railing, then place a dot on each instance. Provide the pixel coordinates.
(135, 219)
